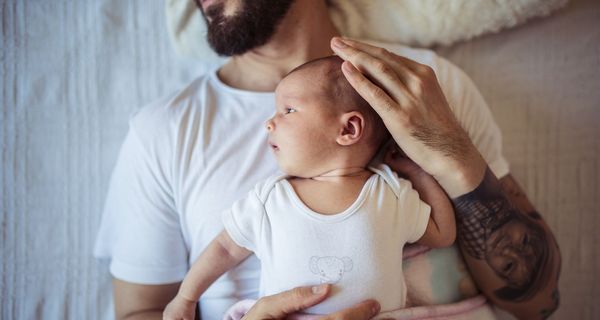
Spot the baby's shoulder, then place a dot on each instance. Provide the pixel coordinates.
(264, 189)
(398, 184)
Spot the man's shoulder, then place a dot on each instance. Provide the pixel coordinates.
(173, 105)
(169, 114)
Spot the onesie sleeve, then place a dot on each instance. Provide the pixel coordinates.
(414, 213)
(244, 221)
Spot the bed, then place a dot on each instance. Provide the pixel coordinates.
(72, 73)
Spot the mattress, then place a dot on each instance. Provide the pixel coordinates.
(73, 71)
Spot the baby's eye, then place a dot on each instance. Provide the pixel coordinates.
(289, 110)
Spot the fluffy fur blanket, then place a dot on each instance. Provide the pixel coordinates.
(421, 23)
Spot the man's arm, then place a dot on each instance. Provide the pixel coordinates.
(508, 248)
(137, 301)
(519, 199)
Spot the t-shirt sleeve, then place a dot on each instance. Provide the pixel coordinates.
(245, 220)
(473, 113)
(140, 228)
(413, 211)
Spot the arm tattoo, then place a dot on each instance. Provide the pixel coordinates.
(545, 313)
(512, 243)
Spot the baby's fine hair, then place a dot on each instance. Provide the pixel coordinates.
(345, 97)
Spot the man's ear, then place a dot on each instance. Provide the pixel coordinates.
(353, 128)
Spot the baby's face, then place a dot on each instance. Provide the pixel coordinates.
(303, 130)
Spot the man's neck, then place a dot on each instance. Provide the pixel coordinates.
(303, 35)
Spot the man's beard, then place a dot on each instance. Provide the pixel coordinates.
(250, 27)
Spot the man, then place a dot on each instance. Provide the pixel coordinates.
(178, 170)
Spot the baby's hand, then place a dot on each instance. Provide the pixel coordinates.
(401, 164)
(180, 308)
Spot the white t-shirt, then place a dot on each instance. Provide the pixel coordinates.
(359, 250)
(190, 156)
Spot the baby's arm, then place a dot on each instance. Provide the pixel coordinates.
(441, 228)
(221, 255)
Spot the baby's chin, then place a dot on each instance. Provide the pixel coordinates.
(294, 172)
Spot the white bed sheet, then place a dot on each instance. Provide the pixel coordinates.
(72, 72)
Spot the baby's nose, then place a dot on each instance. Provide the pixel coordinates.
(269, 125)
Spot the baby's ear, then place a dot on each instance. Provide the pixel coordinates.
(353, 127)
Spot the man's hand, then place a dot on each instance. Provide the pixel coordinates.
(408, 97)
(280, 305)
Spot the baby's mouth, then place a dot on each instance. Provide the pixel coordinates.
(274, 146)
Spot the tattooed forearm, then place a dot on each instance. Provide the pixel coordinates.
(545, 313)
(509, 240)
(517, 196)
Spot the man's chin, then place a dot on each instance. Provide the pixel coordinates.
(236, 30)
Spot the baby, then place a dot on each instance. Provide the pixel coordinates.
(331, 218)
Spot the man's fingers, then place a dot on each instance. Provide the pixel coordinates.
(287, 303)
(301, 298)
(280, 305)
(362, 311)
(346, 45)
(385, 70)
(382, 71)
(374, 95)
(396, 74)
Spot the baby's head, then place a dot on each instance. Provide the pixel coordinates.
(321, 123)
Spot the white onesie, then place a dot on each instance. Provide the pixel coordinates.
(359, 250)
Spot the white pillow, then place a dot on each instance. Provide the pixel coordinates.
(420, 23)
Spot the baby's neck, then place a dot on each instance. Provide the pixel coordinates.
(333, 191)
(343, 174)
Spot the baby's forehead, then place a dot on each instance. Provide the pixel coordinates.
(303, 86)
(306, 79)
(325, 69)
(319, 77)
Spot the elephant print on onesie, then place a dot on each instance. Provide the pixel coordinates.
(330, 269)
